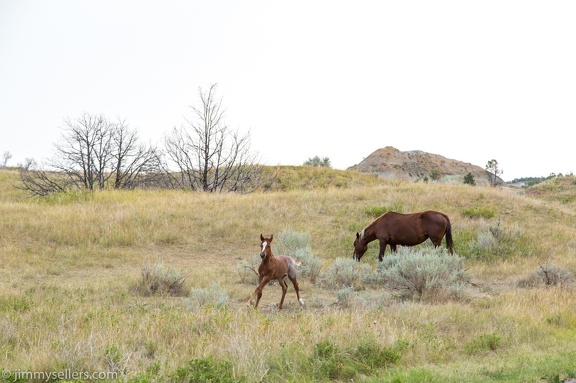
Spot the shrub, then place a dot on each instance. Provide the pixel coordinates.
(553, 275)
(157, 280)
(345, 272)
(548, 275)
(469, 179)
(248, 270)
(311, 266)
(435, 174)
(214, 296)
(496, 242)
(297, 245)
(290, 241)
(424, 273)
(343, 295)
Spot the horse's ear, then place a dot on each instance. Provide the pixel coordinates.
(357, 235)
(261, 238)
(271, 237)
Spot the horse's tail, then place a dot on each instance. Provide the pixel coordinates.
(291, 261)
(449, 242)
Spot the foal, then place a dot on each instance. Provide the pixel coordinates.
(277, 268)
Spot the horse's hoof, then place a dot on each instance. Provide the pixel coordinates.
(301, 302)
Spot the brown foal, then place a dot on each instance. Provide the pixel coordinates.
(278, 268)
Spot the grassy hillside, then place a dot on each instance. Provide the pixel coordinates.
(71, 291)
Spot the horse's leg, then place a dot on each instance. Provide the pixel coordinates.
(383, 244)
(296, 287)
(258, 292)
(436, 241)
(284, 286)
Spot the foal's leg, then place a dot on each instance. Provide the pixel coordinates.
(258, 292)
(292, 276)
(284, 285)
(296, 287)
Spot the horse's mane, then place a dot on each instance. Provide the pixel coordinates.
(363, 232)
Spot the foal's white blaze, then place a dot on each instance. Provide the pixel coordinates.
(264, 244)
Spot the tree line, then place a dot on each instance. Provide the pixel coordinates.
(95, 153)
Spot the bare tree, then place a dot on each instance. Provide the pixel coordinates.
(40, 182)
(208, 154)
(5, 158)
(134, 163)
(84, 152)
(93, 153)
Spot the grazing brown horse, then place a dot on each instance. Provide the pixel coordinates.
(405, 230)
(278, 268)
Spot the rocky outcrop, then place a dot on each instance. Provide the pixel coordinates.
(415, 165)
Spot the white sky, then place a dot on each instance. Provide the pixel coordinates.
(468, 80)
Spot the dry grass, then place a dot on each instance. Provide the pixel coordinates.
(68, 264)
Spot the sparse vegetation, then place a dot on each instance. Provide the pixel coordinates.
(76, 292)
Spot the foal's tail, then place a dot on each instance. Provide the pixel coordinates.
(295, 261)
(449, 243)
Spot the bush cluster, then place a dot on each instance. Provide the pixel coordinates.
(422, 273)
(158, 280)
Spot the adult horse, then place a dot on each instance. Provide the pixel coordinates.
(273, 267)
(406, 230)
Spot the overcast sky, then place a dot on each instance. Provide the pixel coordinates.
(468, 80)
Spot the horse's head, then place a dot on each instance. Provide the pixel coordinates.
(360, 246)
(265, 249)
